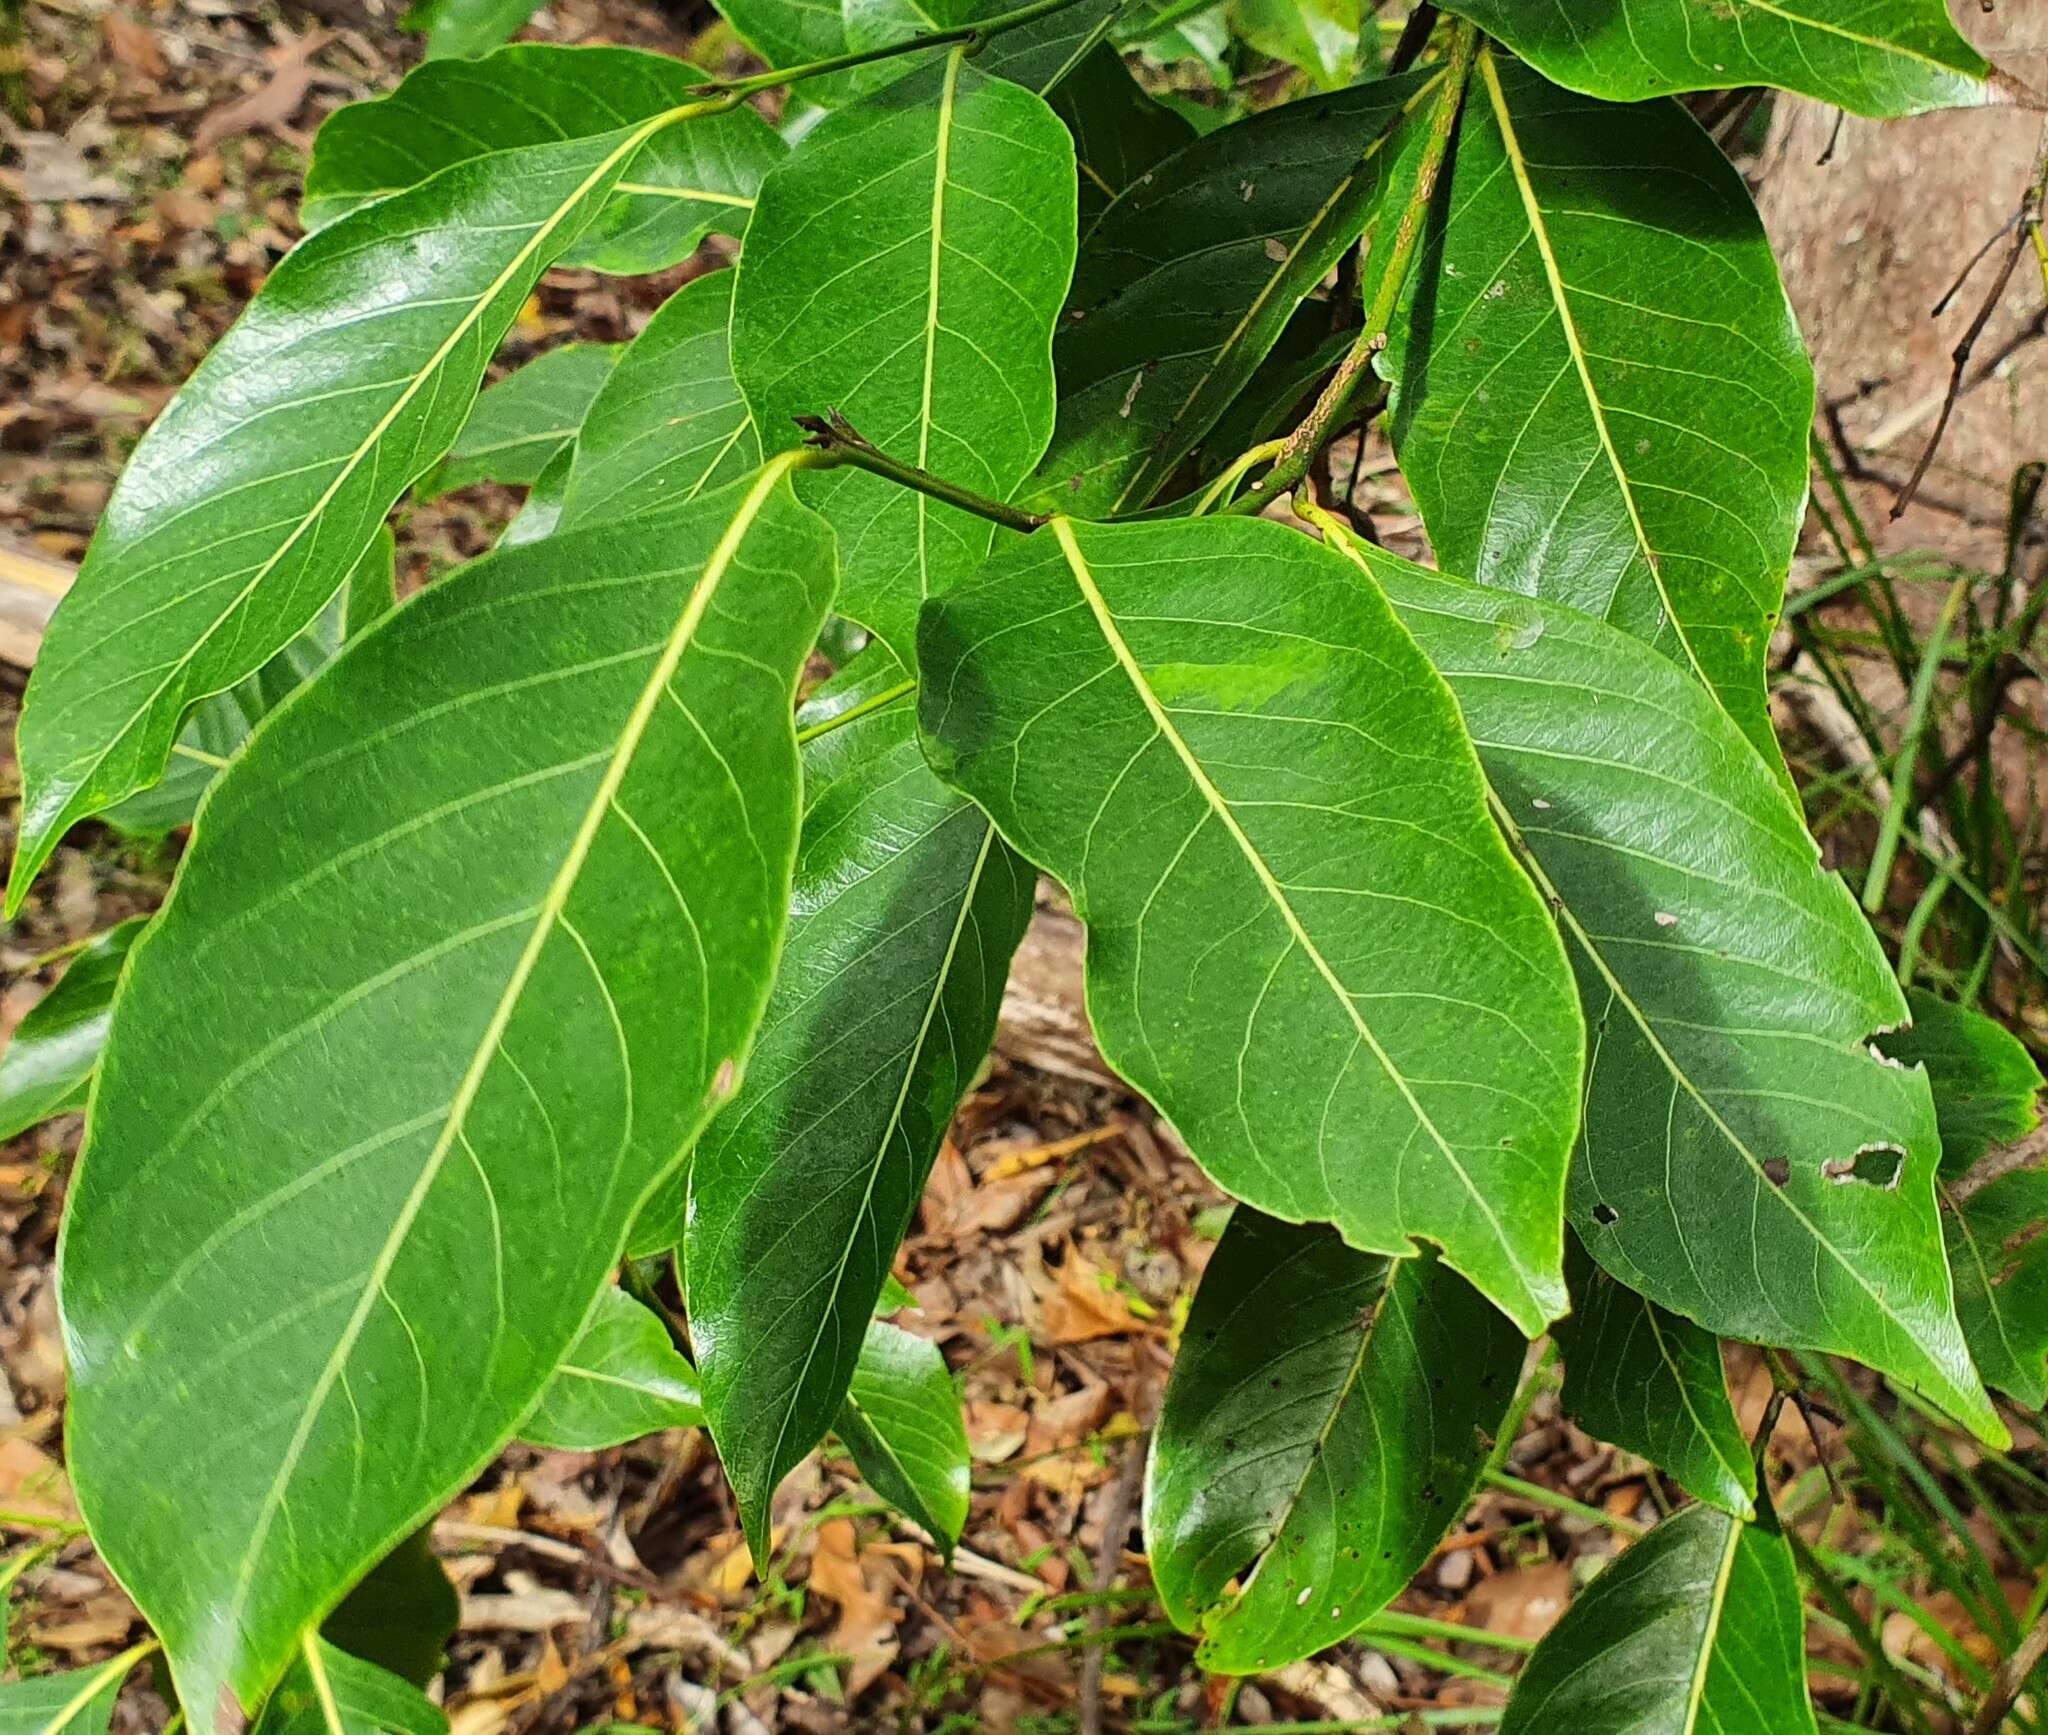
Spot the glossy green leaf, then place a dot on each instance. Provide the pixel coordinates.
(258, 489)
(49, 1061)
(219, 726)
(1998, 1250)
(1307, 944)
(1318, 36)
(467, 27)
(791, 33)
(1697, 1628)
(903, 1425)
(541, 512)
(402, 1614)
(906, 267)
(1987, 1093)
(622, 1378)
(687, 180)
(562, 870)
(1748, 1160)
(329, 1692)
(669, 423)
(518, 425)
(906, 911)
(1189, 278)
(1327, 1420)
(1651, 1382)
(74, 1702)
(1877, 57)
(1987, 1089)
(1600, 392)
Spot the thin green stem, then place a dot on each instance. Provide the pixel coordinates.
(1538, 1495)
(974, 35)
(1327, 418)
(833, 441)
(1422, 1627)
(872, 703)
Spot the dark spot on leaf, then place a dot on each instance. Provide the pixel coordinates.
(1778, 1170)
(1605, 1214)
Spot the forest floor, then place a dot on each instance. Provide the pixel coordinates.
(152, 186)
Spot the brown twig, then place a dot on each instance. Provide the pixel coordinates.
(2012, 1676)
(2024, 228)
(1109, 1555)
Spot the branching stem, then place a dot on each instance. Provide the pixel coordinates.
(836, 442)
(1328, 416)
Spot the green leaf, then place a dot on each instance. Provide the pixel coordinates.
(1987, 1089)
(402, 1615)
(622, 1378)
(688, 179)
(1327, 1420)
(1318, 36)
(669, 423)
(1600, 392)
(906, 267)
(561, 869)
(1189, 277)
(1697, 1627)
(1877, 57)
(260, 486)
(466, 27)
(1652, 1383)
(329, 1692)
(49, 1062)
(1119, 131)
(518, 425)
(74, 1702)
(219, 726)
(541, 512)
(902, 1423)
(791, 33)
(1265, 808)
(906, 912)
(1987, 1093)
(1748, 1160)
(1997, 1240)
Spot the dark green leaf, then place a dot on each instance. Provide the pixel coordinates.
(1748, 1160)
(562, 871)
(1601, 396)
(687, 180)
(519, 424)
(218, 727)
(1119, 131)
(1652, 1383)
(49, 1061)
(402, 1615)
(328, 1692)
(906, 911)
(1697, 1627)
(1188, 279)
(669, 423)
(1878, 57)
(622, 1378)
(1327, 1420)
(902, 1423)
(1998, 1250)
(75, 1702)
(1987, 1089)
(260, 486)
(906, 267)
(1306, 941)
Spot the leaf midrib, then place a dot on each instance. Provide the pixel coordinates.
(1084, 578)
(553, 904)
(369, 443)
(942, 150)
(1511, 147)
(1696, 1693)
